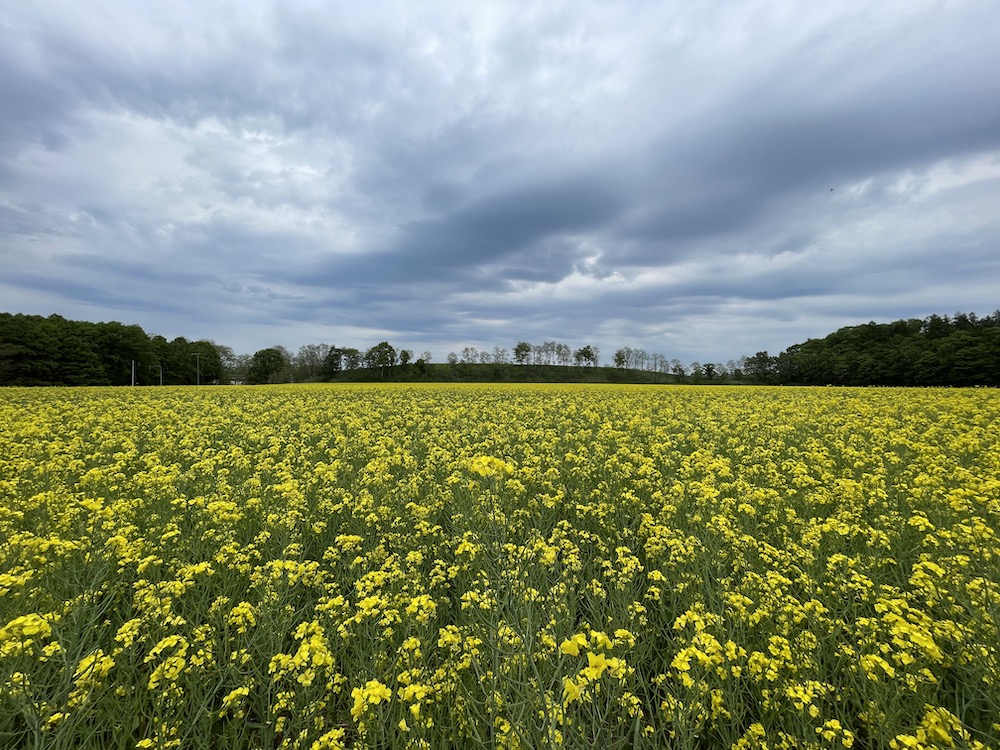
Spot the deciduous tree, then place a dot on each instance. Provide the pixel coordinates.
(266, 366)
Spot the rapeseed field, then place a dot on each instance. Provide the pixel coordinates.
(434, 566)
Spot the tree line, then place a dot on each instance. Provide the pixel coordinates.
(54, 351)
(940, 350)
(326, 362)
(36, 350)
(314, 362)
(958, 350)
(526, 353)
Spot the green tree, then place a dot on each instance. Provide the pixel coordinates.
(586, 356)
(265, 365)
(29, 350)
(229, 363)
(760, 368)
(78, 362)
(352, 358)
(121, 347)
(208, 362)
(522, 352)
(333, 362)
(381, 355)
(307, 364)
(180, 366)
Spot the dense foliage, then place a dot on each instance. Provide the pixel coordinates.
(55, 351)
(321, 567)
(963, 350)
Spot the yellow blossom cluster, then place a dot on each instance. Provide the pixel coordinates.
(329, 566)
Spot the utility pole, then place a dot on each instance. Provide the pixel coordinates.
(133, 372)
(197, 361)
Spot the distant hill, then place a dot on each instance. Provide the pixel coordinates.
(501, 373)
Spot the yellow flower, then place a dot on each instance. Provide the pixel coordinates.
(373, 693)
(571, 690)
(332, 740)
(597, 664)
(572, 645)
(872, 663)
(243, 616)
(830, 729)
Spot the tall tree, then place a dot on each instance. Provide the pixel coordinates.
(587, 355)
(333, 362)
(228, 362)
(266, 366)
(352, 358)
(122, 350)
(208, 362)
(381, 355)
(760, 368)
(522, 352)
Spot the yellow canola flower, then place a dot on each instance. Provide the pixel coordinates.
(243, 617)
(422, 607)
(233, 699)
(572, 689)
(624, 636)
(601, 640)
(373, 693)
(27, 625)
(597, 664)
(874, 665)
(332, 740)
(93, 666)
(490, 466)
(414, 692)
(572, 645)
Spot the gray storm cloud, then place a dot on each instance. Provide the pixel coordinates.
(701, 181)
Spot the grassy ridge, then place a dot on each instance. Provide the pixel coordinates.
(516, 566)
(504, 373)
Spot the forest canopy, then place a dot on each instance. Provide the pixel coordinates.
(54, 351)
(962, 350)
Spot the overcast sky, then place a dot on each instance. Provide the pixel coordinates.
(699, 179)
